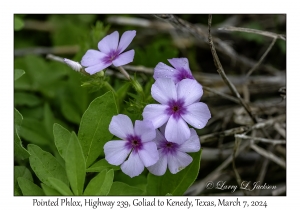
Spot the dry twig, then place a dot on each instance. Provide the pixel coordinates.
(269, 155)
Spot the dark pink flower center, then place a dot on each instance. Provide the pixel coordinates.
(176, 108)
(183, 74)
(112, 55)
(168, 147)
(134, 142)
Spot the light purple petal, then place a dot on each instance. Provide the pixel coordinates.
(162, 70)
(189, 90)
(149, 154)
(116, 152)
(124, 58)
(126, 39)
(162, 129)
(145, 130)
(163, 90)
(133, 166)
(159, 137)
(156, 114)
(197, 115)
(177, 131)
(160, 167)
(192, 144)
(92, 57)
(178, 161)
(109, 43)
(121, 126)
(99, 67)
(180, 63)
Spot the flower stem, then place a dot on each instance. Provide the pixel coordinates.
(124, 72)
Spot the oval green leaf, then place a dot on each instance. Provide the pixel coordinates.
(49, 191)
(60, 186)
(18, 73)
(93, 131)
(61, 139)
(120, 188)
(75, 165)
(20, 171)
(101, 165)
(19, 150)
(45, 165)
(100, 184)
(29, 188)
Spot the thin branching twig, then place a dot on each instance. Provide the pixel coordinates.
(262, 58)
(222, 73)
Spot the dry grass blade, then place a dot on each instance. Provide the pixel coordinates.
(254, 31)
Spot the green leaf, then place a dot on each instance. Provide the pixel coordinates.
(45, 165)
(120, 188)
(101, 184)
(75, 165)
(20, 171)
(70, 112)
(61, 139)
(18, 73)
(93, 132)
(18, 23)
(101, 165)
(29, 188)
(48, 120)
(175, 184)
(49, 191)
(26, 99)
(19, 150)
(34, 131)
(60, 186)
(137, 181)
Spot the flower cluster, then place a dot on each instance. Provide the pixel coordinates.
(163, 139)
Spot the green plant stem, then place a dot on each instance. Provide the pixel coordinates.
(124, 72)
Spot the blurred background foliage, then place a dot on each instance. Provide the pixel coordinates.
(50, 92)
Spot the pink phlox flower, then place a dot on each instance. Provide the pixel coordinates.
(136, 148)
(179, 105)
(173, 155)
(111, 52)
(180, 71)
